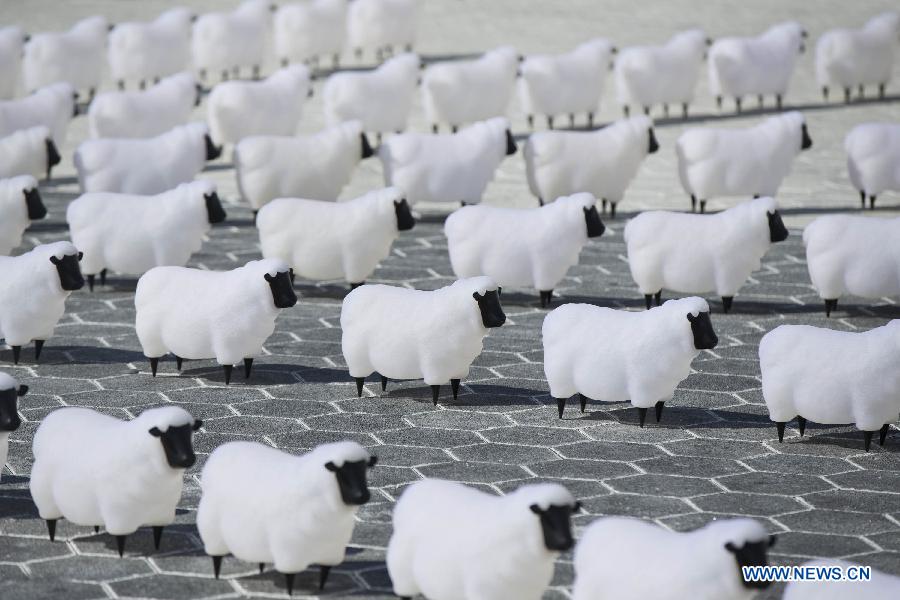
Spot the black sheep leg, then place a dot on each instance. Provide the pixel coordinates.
(51, 529)
(726, 303)
(862, 198)
(693, 203)
(120, 545)
(780, 427)
(17, 353)
(801, 425)
(867, 439)
(759, 100)
(154, 365)
(384, 381)
(549, 122)
(561, 406)
(178, 362)
(571, 120)
(324, 570)
(882, 435)
(38, 346)
(684, 111)
(830, 305)
(157, 535)
(612, 210)
(262, 567)
(626, 110)
(435, 392)
(737, 105)
(881, 91)
(642, 416)
(825, 93)
(778, 101)
(289, 578)
(103, 277)
(590, 120)
(248, 365)
(603, 205)
(702, 206)
(659, 409)
(871, 202)
(217, 565)
(657, 298)
(227, 370)
(454, 385)
(582, 399)
(546, 298)
(648, 301)
(360, 381)
(91, 278)
(846, 95)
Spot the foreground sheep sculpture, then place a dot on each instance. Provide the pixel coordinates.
(381, 26)
(417, 334)
(95, 470)
(226, 41)
(12, 40)
(20, 203)
(306, 31)
(880, 585)
(76, 56)
(290, 510)
(452, 541)
(52, 106)
(146, 51)
(10, 392)
(873, 152)
(28, 152)
(618, 355)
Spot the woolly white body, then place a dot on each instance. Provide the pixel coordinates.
(414, 334)
(239, 109)
(530, 247)
(764, 64)
(13, 211)
(602, 162)
(373, 25)
(617, 355)
(314, 166)
(847, 58)
(330, 240)
(447, 167)
(194, 314)
(92, 469)
(452, 542)
(832, 377)
(381, 99)
(142, 166)
(696, 254)
(32, 276)
(873, 157)
(881, 584)
(24, 152)
(308, 30)
(465, 91)
(565, 83)
(12, 40)
(287, 510)
(51, 106)
(694, 564)
(223, 41)
(739, 162)
(142, 51)
(131, 234)
(144, 114)
(666, 74)
(853, 255)
(76, 56)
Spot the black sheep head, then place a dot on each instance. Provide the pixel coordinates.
(212, 151)
(9, 410)
(282, 289)
(556, 525)
(176, 442)
(510, 144)
(405, 220)
(70, 278)
(806, 142)
(704, 336)
(351, 480)
(751, 554)
(214, 211)
(492, 314)
(36, 208)
(777, 231)
(652, 144)
(366, 147)
(595, 227)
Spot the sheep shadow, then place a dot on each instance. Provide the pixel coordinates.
(58, 181)
(17, 504)
(52, 355)
(262, 374)
(217, 167)
(482, 395)
(47, 227)
(328, 291)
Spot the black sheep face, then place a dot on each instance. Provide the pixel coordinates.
(595, 227)
(366, 147)
(405, 220)
(214, 211)
(53, 157)
(176, 442)
(199, 95)
(510, 144)
(70, 278)
(652, 144)
(704, 336)
(212, 151)
(9, 410)
(751, 554)
(777, 231)
(492, 314)
(806, 144)
(36, 208)
(282, 291)
(556, 524)
(351, 480)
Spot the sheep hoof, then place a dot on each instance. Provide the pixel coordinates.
(51, 528)
(157, 535)
(648, 300)
(38, 346)
(91, 278)
(560, 406)
(780, 427)
(248, 365)
(324, 570)
(454, 385)
(882, 435)
(726, 303)
(801, 424)
(217, 565)
(360, 381)
(659, 409)
(17, 352)
(227, 369)
(583, 399)
(867, 439)
(546, 298)
(120, 545)
(383, 383)
(262, 567)
(178, 362)
(642, 416)
(830, 305)
(154, 365)
(657, 298)
(435, 392)
(603, 205)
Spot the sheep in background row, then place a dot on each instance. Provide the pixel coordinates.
(453, 541)
(20, 203)
(764, 64)
(143, 114)
(306, 31)
(449, 167)
(145, 51)
(568, 83)
(881, 585)
(751, 161)
(697, 254)
(848, 58)
(28, 152)
(465, 91)
(380, 26)
(289, 510)
(76, 56)
(531, 247)
(334, 240)
(12, 42)
(147, 165)
(618, 355)
(666, 74)
(381, 99)
(52, 106)
(315, 166)
(34, 291)
(239, 109)
(873, 153)
(853, 255)
(131, 234)
(601, 162)
(10, 392)
(416, 334)
(94, 470)
(704, 563)
(832, 377)
(224, 41)
(226, 315)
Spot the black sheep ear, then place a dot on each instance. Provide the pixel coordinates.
(772, 540)
(80, 256)
(23, 389)
(477, 296)
(268, 278)
(499, 290)
(536, 509)
(330, 466)
(55, 260)
(576, 507)
(373, 461)
(692, 318)
(731, 547)
(155, 432)
(197, 425)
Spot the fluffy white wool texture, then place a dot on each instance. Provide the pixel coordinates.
(696, 254)
(376, 24)
(516, 247)
(847, 58)
(602, 162)
(314, 166)
(155, 111)
(763, 64)
(832, 377)
(287, 510)
(131, 234)
(873, 157)
(92, 469)
(556, 84)
(7, 382)
(14, 211)
(617, 355)
(853, 255)
(194, 314)
(446, 167)
(51, 106)
(693, 564)
(331, 240)
(32, 276)
(223, 40)
(308, 30)
(12, 40)
(239, 109)
(666, 74)
(142, 166)
(381, 99)
(76, 56)
(24, 152)
(740, 161)
(414, 334)
(142, 51)
(449, 88)
(881, 585)
(452, 541)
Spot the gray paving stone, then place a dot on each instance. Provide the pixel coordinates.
(830, 545)
(774, 483)
(747, 503)
(664, 485)
(840, 522)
